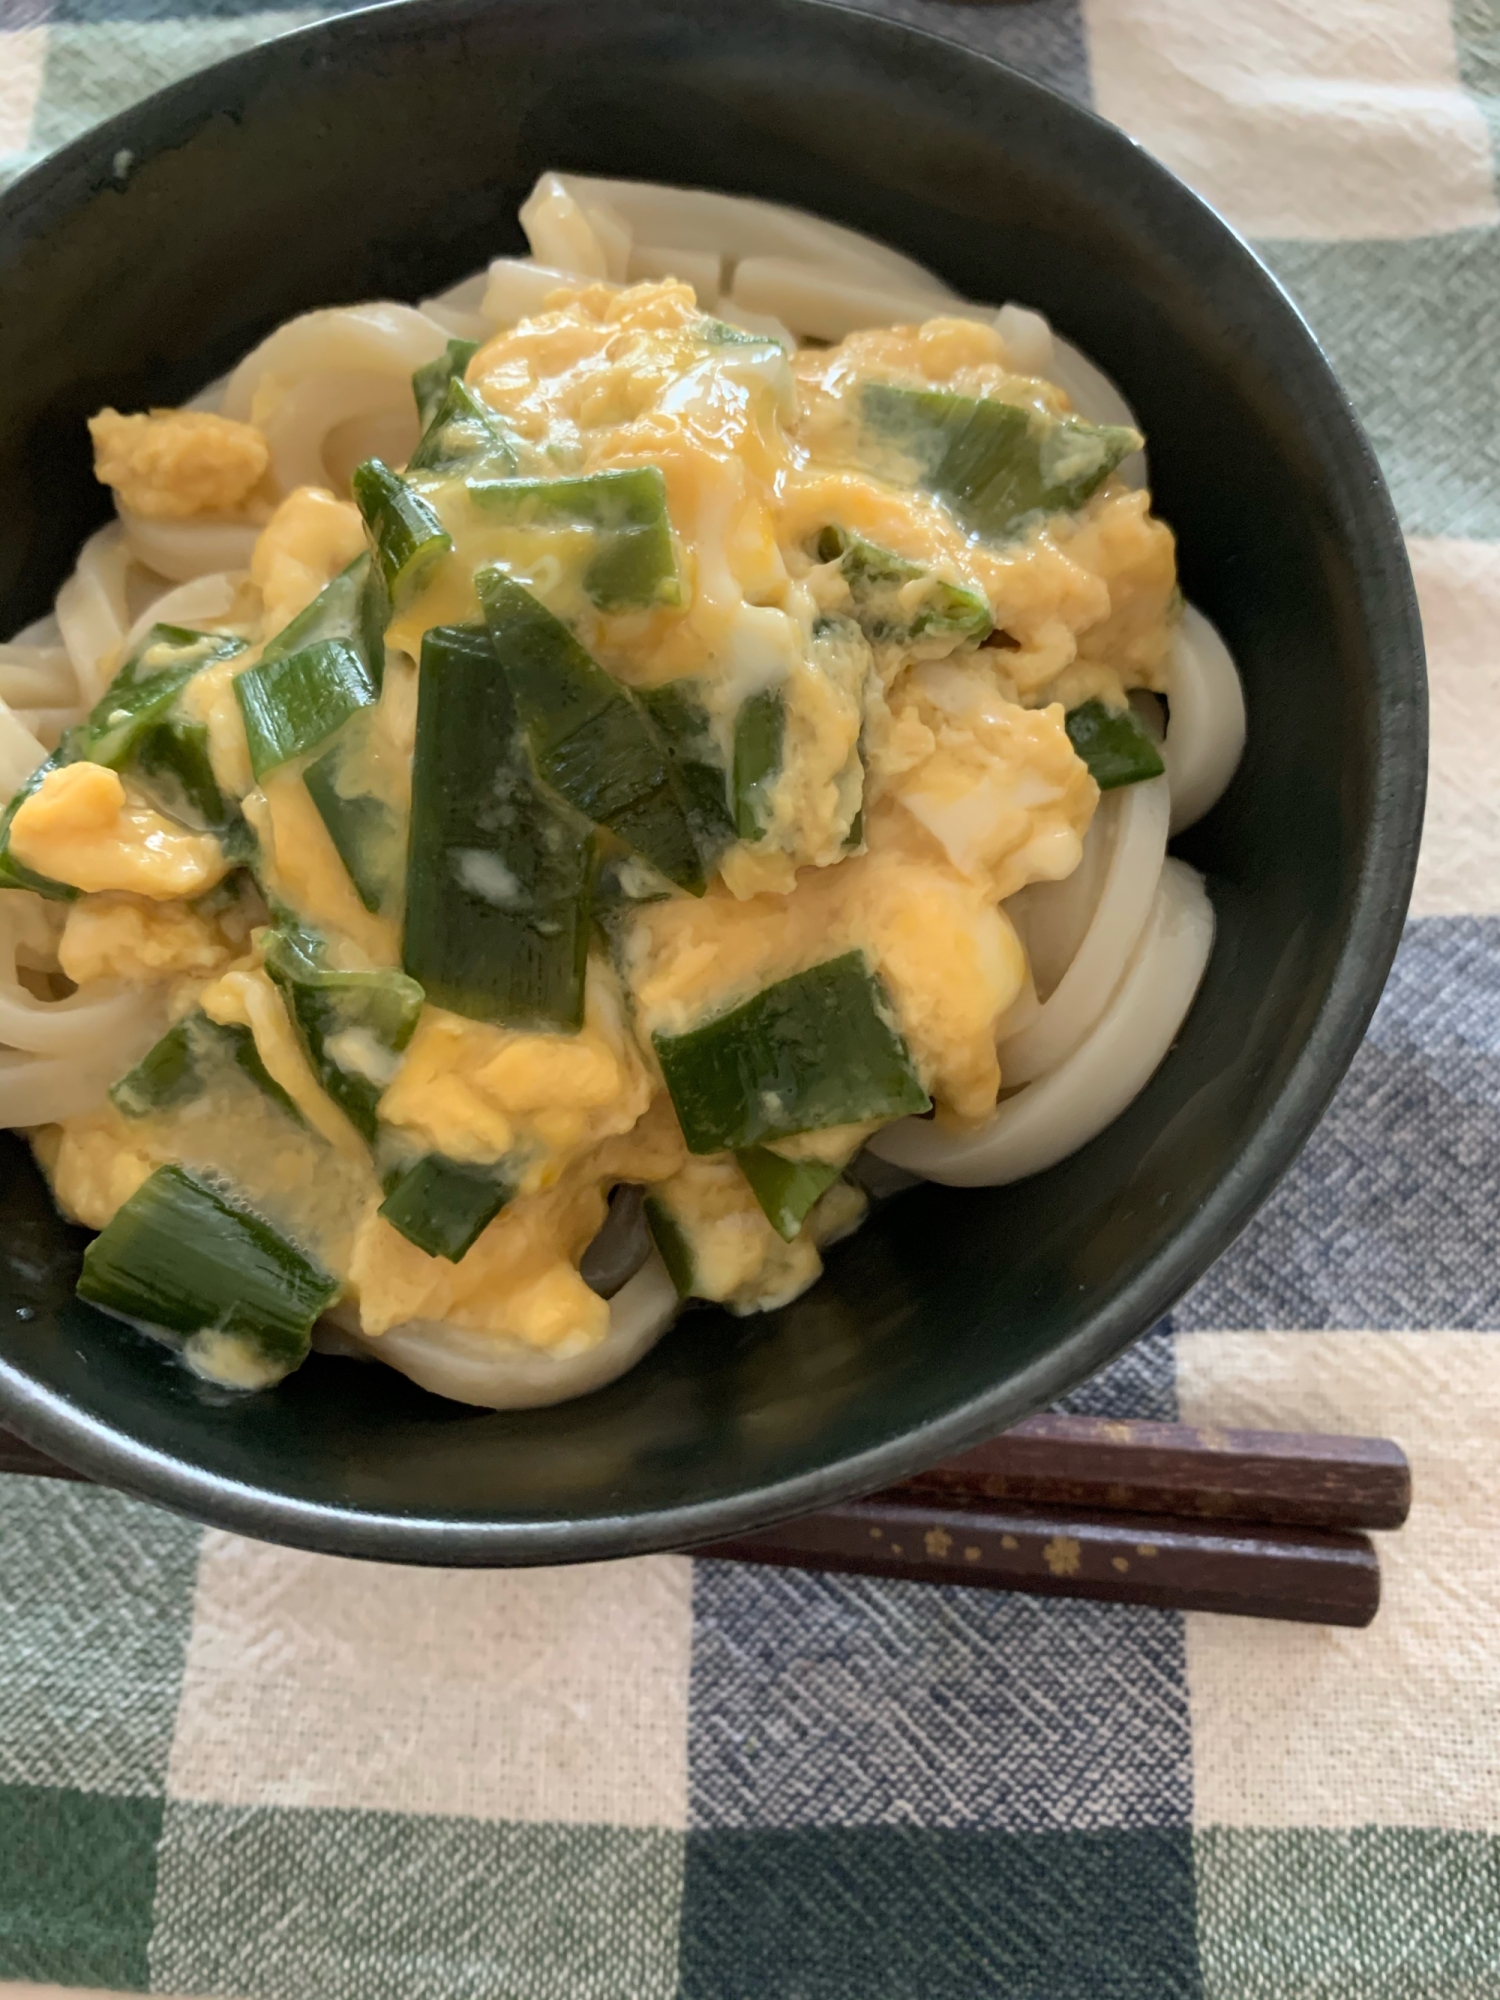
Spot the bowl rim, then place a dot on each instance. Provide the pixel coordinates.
(1377, 906)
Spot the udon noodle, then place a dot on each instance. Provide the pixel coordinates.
(1114, 942)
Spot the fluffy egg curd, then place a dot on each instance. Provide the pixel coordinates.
(623, 787)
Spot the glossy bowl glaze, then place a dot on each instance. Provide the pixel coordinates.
(385, 154)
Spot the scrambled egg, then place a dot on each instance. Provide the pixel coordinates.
(80, 826)
(172, 464)
(922, 781)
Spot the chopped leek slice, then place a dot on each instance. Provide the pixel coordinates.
(673, 1244)
(886, 606)
(758, 732)
(1114, 744)
(995, 464)
(181, 1064)
(444, 1206)
(352, 1024)
(590, 739)
(635, 564)
(817, 1049)
(365, 830)
(785, 1189)
(174, 764)
(682, 723)
(429, 383)
(14, 874)
(462, 435)
(408, 538)
(291, 705)
(498, 873)
(145, 690)
(180, 1256)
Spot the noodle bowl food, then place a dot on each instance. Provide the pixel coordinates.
(690, 712)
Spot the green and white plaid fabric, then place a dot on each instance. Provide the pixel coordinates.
(229, 1769)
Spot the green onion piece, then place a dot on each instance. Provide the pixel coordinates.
(366, 830)
(1114, 744)
(673, 1243)
(719, 333)
(818, 1049)
(682, 723)
(173, 762)
(14, 874)
(758, 732)
(464, 435)
(429, 383)
(292, 704)
(180, 1066)
(444, 1206)
(408, 538)
(877, 578)
(635, 564)
(352, 1024)
(590, 739)
(353, 606)
(995, 464)
(785, 1189)
(498, 873)
(178, 1255)
(146, 688)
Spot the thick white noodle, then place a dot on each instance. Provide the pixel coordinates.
(1125, 902)
(735, 226)
(93, 610)
(21, 750)
(299, 427)
(505, 1375)
(43, 1090)
(825, 305)
(37, 676)
(205, 602)
(1206, 724)
(382, 338)
(1029, 340)
(517, 288)
(182, 550)
(1046, 1121)
(1052, 918)
(458, 309)
(702, 269)
(93, 1024)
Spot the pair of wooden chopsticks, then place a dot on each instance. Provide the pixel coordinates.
(1268, 1524)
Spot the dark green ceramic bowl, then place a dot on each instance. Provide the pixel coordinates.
(385, 154)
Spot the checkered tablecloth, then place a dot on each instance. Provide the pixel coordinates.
(229, 1769)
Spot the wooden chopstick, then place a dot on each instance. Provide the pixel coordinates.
(1261, 1523)
(1172, 1562)
(1295, 1478)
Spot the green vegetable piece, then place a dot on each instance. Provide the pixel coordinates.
(463, 435)
(785, 1189)
(758, 732)
(590, 739)
(635, 564)
(444, 1206)
(429, 383)
(674, 1245)
(180, 1256)
(365, 830)
(719, 333)
(818, 1049)
(292, 704)
(995, 464)
(1114, 744)
(682, 723)
(14, 874)
(408, 538)
(145, 690)
(352, 1024)
(181, 1064)
(173, 762)
(877, 578)
(498, 874)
